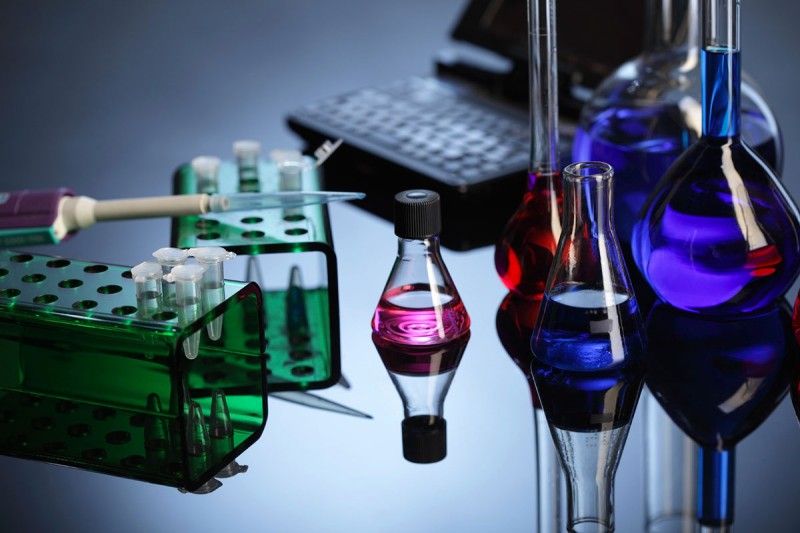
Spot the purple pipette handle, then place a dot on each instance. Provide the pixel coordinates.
(31, 209)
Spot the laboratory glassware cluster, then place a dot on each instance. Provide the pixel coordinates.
(654, 265)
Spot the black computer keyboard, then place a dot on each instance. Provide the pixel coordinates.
(428, 125)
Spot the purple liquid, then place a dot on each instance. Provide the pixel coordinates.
(405, 316)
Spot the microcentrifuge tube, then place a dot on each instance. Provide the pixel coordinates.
(212, 288)
(290, 165)
(187, 279)
(247, 158)
(296, 316)
(156, 433)
(197, 448)
(147, 277)
(205, 169)
(169, 258)
(221, 432)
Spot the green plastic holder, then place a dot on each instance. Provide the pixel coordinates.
(87, 382)
(314, 363)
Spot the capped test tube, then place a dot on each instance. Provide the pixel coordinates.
(147, 277)
(212, 288)
(205, 168)
(187, 279)
(290, 165)
(247, 158)
(169, 258)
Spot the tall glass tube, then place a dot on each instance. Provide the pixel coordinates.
(525, 250)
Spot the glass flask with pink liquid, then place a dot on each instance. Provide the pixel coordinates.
(420, 327)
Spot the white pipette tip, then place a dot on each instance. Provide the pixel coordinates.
(246, 148)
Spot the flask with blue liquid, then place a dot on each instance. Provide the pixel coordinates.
(643, 117)
(719, 235)
(588, 348)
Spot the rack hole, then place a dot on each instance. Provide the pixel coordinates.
(118, 437)
(44, 299)
(95, 269)
(252, 220)
(3, 272)
(10, 293)
(294, 218)
(21, 258)
(33, 278)
(302, 371)
(79, 430)
(84, 304)
(124, 310)
(165, 315)
(206, 224)
(95, 454)
(57, 263)
(109, 289)
(294, 232)
(127, 274)
(70, 283)
(213, 235)
(253, 234)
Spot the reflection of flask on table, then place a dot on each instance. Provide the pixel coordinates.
(588, 346)
(515, 319)
(420, 326)
(719, 379)
(109, 388)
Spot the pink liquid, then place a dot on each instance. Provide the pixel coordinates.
(405, 315)
(421, 360)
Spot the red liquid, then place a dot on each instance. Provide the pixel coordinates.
(515, 319)
(526, 249)
(405, 316)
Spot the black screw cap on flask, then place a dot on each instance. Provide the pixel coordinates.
(424, 439)
(417, 214)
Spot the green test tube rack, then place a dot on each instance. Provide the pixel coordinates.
(314, 363)
(87, 381)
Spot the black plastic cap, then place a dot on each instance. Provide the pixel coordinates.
(417, 214)
(424, 439)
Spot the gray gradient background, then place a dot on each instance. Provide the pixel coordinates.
(109, 97)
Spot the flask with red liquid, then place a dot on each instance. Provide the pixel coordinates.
(420, 327)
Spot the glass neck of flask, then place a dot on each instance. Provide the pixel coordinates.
(543, 79)
(721, 69)
(715, 487)
(410, 248)
(587, 190)
(673, 23)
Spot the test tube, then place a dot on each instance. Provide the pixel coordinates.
(187, 279)
(205, 168)
(197, 448)
(147, 277)
(247, 158)
(296, 316)
(221, 432)
(212, 287)
(169, 258)
(290, 165)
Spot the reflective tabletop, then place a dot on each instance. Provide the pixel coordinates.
(109, 99)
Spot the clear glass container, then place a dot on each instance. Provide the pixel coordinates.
(588, 348)
(648, 112)
(719, 235)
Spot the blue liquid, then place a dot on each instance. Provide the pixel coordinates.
(719, 379)
(587, 330)
(640, 139)
(721, 93)
(587, 362)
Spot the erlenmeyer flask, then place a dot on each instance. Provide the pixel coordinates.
(588, 346)
(720, 234)
(641, 118)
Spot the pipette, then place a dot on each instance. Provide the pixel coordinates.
(31, 217)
